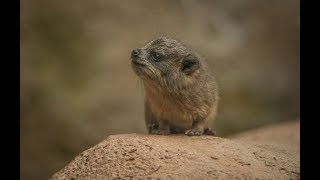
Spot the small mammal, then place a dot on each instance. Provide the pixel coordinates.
(181, 93)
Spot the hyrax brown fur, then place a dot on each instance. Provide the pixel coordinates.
(181, 93)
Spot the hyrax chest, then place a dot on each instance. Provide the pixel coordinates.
(175, 111)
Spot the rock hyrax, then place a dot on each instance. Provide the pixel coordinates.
(181, 93)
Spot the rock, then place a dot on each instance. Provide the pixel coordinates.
(141, 156)
(281, 134)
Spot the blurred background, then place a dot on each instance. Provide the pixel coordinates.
(77, 85)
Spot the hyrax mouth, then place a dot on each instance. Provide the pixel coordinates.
(137, 63)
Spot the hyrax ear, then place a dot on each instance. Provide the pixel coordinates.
(189, 64)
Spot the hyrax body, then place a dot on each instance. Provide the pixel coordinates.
(181, 93)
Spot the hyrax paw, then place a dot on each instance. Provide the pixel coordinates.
(160, 132)
(152, 127)
(209, 131)
(193, 132)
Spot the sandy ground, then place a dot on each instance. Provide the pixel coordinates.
(267, 153)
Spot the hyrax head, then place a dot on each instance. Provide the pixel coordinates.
(164, 61)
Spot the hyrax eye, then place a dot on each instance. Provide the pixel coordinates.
(156, 56)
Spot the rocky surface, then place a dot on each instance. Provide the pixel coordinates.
(271, 153)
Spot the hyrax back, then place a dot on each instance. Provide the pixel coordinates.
(181, 93)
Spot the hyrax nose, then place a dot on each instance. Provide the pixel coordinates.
(135, 53)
